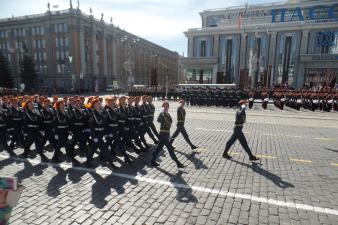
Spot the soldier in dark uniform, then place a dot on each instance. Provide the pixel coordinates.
(15, 122)
(3, 131)
(79, 122)
(113, 139)
(62, 129)
(140, 120)
(32, 122)
(151, 115)
(238, 133)
(47, 124)
(123, 118)
(180, 126)
(97, 124)
(146, 112)
(166, 121)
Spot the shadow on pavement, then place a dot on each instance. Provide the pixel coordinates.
(59, 180)
(183, 188)
(273, 177)
(192, 157)
(30, 170)
(332, 150)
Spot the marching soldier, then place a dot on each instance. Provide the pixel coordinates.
(97, 131)
(47, 124)
(238, 133)
(180, 125)
(113, 139)
(151, 116)
(139, 125)
(15, 119)
(145, 112)
(31, 129)
(62, 129)
(79, 122)
(166, 121)
(3, 133)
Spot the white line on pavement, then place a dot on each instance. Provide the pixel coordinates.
(185, 186)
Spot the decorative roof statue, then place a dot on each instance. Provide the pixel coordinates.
(90, 10)
(78, 4)
(70, 4)
(111, 20)
(48, 6)
(101, 16)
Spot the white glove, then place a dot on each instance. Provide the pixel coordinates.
(96, 140)
(25, 135)
(56, 137)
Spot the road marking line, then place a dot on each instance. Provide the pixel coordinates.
(267, 156)
(267, 134)
(226, 131)
(294, 136)
(334, 164)
(300, 160)
(324, 139)
(186, 186)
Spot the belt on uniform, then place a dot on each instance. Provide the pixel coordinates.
(164, 131)
(131, 118)
(10, 129)
(126, 128)
(78, 124)
(2, 125)
(144, 116)
(151, 116)
(99, 129)
(141, 124)
(113, 125)
(137, 118)
(48, 121)
(32, 126)
(17, 119)
(182, 121)
(62, 127)
(239, 125)
(122, 121)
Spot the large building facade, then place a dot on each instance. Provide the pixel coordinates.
(72, 50)
(294, 43)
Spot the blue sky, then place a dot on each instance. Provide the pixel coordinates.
(160, 21)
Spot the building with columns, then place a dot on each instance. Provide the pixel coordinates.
(293, 42)
(72, 50)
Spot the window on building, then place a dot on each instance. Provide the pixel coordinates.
(57, 55)
(62, 55)
(63, 68)
(61, 42)
(35, 56)
(60, 27)
(42, 31)
(203, 48)
(58, 68)
(65, 27)
(57, 42)
(43, 44)
(66, 42)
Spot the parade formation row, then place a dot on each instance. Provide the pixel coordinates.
(121, 124)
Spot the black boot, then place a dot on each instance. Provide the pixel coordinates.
(193, 147)
(253, 158)
(226, 155)
(154, 163)
(179, 165)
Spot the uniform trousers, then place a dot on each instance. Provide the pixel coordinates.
(163, 139)
(238, 134)
(181, 129)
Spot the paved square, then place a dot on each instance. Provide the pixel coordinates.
(295, 182)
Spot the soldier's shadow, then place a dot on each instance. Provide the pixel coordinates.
(30, 170)
(332, 150)
(103, 186)
(277, 180)
(59, 180)
(196, 161)
(184, 190)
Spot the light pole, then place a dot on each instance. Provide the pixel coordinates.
(70, 58)
(129, 65)
(13, 54)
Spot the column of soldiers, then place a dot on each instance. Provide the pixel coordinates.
(69, 122)
(322, 100)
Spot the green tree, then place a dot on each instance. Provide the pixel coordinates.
(29, 75)
(5, 73)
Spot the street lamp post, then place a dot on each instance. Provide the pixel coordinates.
(70, 58)
(15, 66)
(129, 65)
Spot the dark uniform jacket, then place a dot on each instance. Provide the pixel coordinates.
(97, 124)
(112, 119)
(166, 121)
(62, 123)
(32, 120)
(15, 117)
(151, 109)
(47, 119)
(79, 120)
(180, 115)
(240, 117)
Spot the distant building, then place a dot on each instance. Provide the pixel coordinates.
(72, 50)
(294, 42)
